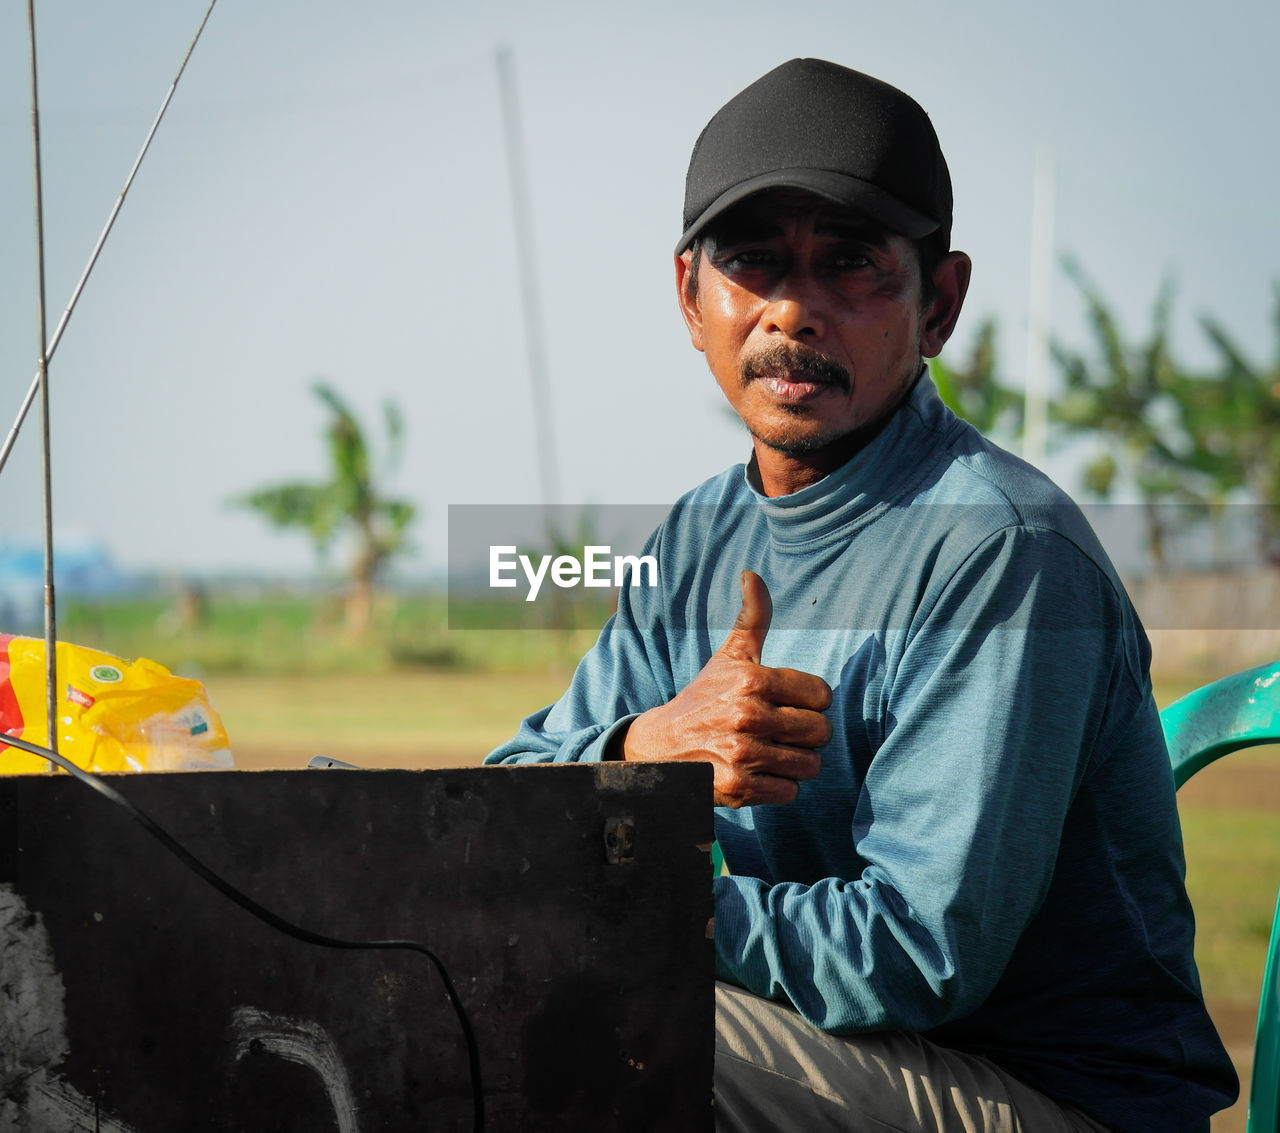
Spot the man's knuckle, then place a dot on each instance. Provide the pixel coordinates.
(745, 716)
(734, 786)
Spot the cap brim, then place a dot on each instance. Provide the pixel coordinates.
(837, 187)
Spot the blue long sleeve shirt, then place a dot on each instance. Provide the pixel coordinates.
(991, 854)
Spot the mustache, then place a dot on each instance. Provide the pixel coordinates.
(796, 361)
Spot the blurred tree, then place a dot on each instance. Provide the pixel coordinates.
(351, 501)
(1236, 422)
(973, 391)
(1142, 408)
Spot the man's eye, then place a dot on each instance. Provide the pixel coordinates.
(850, 261)
(747, 259)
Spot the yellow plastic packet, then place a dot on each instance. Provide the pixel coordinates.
(113, 715)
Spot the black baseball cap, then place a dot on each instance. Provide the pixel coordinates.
(814, 125)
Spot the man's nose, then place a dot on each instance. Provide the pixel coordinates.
(796, 310)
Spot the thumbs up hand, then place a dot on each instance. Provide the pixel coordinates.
(758, 726)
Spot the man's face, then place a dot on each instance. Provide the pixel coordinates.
(812, 321)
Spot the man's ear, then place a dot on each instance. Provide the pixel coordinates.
(687, 296)
(951, 282)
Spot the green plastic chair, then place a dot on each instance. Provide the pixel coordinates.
(1238, 711)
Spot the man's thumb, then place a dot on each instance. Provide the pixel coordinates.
(746, 640)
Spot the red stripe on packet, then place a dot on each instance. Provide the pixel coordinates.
(10, 714)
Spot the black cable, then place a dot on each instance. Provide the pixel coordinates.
(267, 916)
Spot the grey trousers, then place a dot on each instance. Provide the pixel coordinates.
(776, 1072)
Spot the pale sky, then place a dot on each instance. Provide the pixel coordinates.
(328, 196)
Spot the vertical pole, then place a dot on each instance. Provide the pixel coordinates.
(50, 607)
(535, 347)
(1039, 310)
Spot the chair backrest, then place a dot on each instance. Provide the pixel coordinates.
(1241, 710)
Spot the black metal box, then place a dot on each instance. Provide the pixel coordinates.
(569, 904)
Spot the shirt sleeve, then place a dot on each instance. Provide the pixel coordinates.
(991, 716)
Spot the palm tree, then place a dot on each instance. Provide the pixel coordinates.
(350, 502)
(1142, 406)
(1238, 426)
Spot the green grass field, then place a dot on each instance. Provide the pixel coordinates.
(284, 631)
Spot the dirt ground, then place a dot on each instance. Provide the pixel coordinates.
(1236, 1025)
(1252, 783)
(284, 757)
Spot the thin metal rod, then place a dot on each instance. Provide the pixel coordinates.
(12, 436)
(534, 344)
(50, 609)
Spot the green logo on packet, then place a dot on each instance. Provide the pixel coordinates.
(106, 674)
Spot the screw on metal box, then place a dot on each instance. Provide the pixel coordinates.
(620, 840)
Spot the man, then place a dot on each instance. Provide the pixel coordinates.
(956, 898)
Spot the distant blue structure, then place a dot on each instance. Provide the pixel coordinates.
(83, 568)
